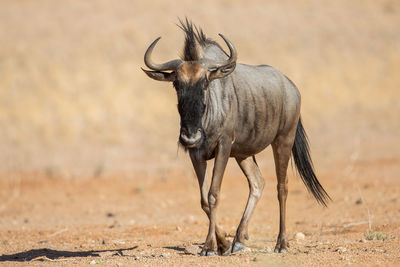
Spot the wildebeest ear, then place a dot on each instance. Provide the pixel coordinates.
(221, 71)
(160, 75)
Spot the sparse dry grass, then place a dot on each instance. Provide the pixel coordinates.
(72, 92)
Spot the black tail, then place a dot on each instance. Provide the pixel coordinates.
(304, 165)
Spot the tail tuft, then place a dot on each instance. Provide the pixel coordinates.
(304, 166)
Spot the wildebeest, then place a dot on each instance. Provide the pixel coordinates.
(235, 110)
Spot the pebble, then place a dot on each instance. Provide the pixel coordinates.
(191, 250)
(115, 224)
(135, 257)
(358, 201)
(119, 242)
(341, 250)
(299, 236)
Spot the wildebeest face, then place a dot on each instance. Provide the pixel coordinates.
(191, 84)
(191, 78)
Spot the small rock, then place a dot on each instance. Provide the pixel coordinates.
(299, 236)
(363, 241)
(119, 242)
(191, 250)
(115, 224)
(165, 255)
(179, 229)
(92, 262)
(359, 201)
(110, 214)
(340, 250)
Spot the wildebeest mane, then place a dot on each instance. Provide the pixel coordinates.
(195, 39)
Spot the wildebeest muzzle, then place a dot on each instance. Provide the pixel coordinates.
(191, 139)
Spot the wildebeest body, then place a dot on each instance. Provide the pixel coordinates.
(251, 105)
(235, 110)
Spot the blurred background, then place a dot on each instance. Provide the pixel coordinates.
(74, 101)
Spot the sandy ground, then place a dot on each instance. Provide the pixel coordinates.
(89, 167)
(116, 221)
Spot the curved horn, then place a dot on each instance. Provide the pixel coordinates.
(170, 65)
(212, 64)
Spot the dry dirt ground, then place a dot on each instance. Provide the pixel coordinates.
(88, 165)
(120, 221)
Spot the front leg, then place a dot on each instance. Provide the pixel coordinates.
(200, 166)
(222, 153)
(256, 185)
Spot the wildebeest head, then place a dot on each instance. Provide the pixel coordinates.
(191, 77)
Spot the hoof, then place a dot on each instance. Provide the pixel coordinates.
(280, 250)
(227, 252)
(237, 247)
(206, 252)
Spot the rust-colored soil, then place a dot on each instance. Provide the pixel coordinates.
(116, 221)
(89, 168)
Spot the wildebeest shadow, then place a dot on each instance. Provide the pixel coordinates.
(176, 248)
(55, 254)
(181, 249)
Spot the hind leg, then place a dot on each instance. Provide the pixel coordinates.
(282, 148)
